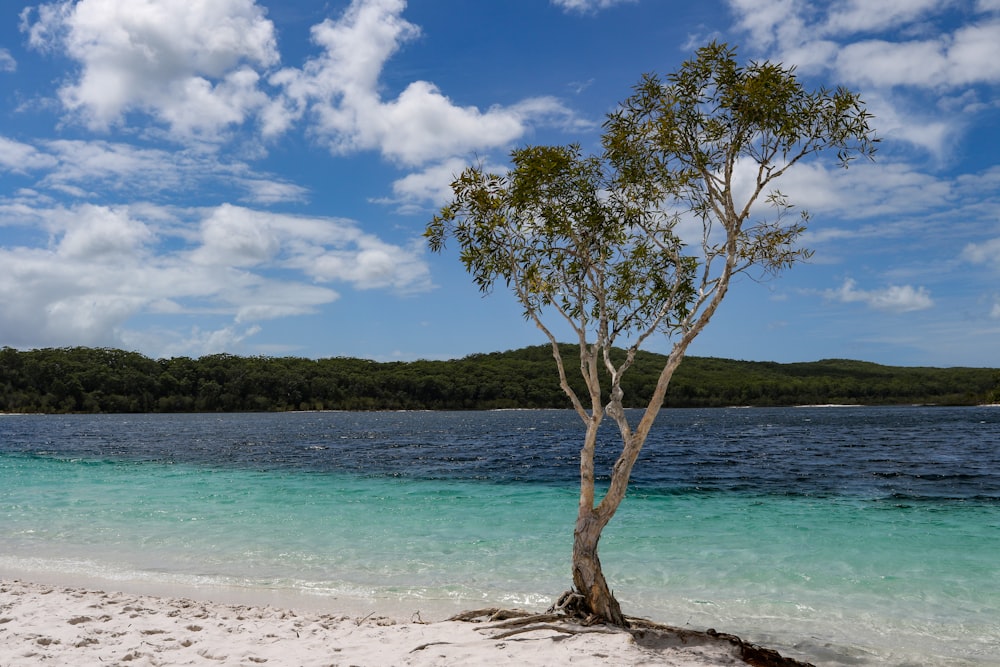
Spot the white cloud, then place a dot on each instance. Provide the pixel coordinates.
(430, 187)
(203, 67)
(588, 6)
(193, 343)
(894, 298)
(811, 34)
(987, 252)
(101, 234)
(864, 191)
(7, 62)
(188, 63)
(232, 236)
(78, 168)
(855, 16)
(902, 55)
(770, 21)
(339, 90)
(265, 191)
(18, 157)
(105, 266)
(969, 56)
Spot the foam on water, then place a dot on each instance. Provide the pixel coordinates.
(832, 578)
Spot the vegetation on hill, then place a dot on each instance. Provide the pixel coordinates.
(106, 380)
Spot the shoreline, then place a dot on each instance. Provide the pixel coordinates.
(46, 624)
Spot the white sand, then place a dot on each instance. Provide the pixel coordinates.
(54, 625)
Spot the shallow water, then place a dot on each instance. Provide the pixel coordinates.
(841, 536)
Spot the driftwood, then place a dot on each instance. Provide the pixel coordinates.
(567, 616)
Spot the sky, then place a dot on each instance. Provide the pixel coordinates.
(191, 177)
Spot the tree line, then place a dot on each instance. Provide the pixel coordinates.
(94, 380)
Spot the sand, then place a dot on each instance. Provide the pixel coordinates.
(55, 625)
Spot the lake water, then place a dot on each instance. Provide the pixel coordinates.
(842, 536)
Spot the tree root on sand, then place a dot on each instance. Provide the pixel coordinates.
(567, 616)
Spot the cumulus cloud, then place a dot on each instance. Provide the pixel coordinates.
(839, 36)
(339, 90)
(894, 298)
(987, 252)
(968, 56)
(204, 67)
(905, 57)
(189, 63)
(430, 187)
(105, 266)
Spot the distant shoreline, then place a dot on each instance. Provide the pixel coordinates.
(89, 380)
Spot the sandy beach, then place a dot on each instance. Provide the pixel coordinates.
(42, 624)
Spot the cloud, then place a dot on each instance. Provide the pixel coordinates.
(769, 22)
(21, 158)
(80, 168)
(894, 298)
(188, 63)
(203, 68)
(813, 34)
(866, 190)
(987, 252)
(430, 188)
(856, 16)
(7, 62)
(588, 6)
(105, 267)
(195, 342)
(902, 55)
(970, 55)
(339, 91)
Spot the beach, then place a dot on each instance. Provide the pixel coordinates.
(42, 624)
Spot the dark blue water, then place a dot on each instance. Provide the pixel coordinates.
(880, 453)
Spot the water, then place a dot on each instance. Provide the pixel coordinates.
(838, 535)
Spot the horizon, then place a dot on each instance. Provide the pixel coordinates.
(194, 177)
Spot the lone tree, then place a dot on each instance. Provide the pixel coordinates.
(646, 238)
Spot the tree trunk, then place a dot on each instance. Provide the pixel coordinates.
(587, 575)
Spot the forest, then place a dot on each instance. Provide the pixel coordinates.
(95, 380)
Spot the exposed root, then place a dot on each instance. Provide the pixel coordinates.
(758, 656)
(573, 605)
(566, 616)
(565, 629)
(491, 614)
(423, 646)
(521, 621)
(570, 603)
(516, 622)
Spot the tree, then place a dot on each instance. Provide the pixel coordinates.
(645, 238)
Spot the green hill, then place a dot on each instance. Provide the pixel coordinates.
(107, 380)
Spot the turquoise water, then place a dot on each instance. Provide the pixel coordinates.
(845, 578)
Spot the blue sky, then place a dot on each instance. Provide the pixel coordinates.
(186, 177)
